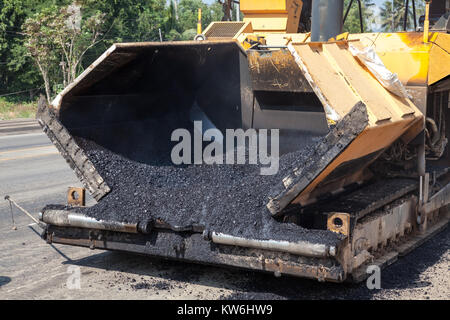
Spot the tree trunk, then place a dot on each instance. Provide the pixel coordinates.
(46, 83)
(47, 89)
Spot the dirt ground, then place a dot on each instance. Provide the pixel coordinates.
(24, 274)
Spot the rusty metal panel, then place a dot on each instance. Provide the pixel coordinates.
(276, 71)
(76, 196)
(339, 222)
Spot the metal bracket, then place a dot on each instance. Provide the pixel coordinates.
(76, 196)
(339, 223)
(437, 201)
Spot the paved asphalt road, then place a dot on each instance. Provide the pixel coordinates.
(34, 174)
(19, 126)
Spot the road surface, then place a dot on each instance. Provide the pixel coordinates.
(34, 174)
(18, 126)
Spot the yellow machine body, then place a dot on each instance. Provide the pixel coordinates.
(416, 63)
(342, 81)
(272, 15)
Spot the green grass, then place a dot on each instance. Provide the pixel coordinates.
(15, 110)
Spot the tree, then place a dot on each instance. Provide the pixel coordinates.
(44, 44)
(352, 23)
(74, 38)
(392, 14)
(40, 44)
(171, 16)
(16, 71)
(130, 20)
(188, 14)
(61, 36)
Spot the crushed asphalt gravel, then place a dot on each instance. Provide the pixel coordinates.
(229, 199)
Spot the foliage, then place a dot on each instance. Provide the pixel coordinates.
(392, 14)
(188, 14)
(45, 44)
(13, 110)
(61, 37)
(189, 34)
(352, 23)
(17, 72)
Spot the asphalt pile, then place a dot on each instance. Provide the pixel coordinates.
(230, 199)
